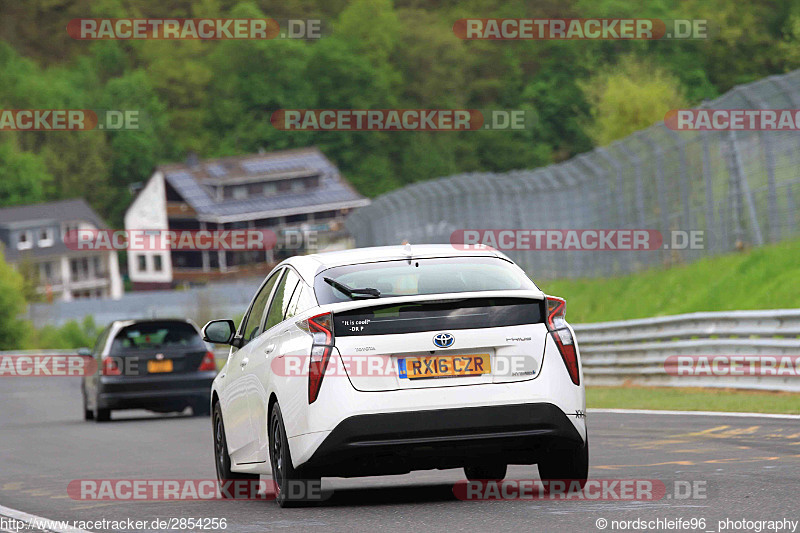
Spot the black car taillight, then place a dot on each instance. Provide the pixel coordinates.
(320, 328)
(209, 363)
(110, 367)
(557, 324)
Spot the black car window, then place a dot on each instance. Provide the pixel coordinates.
(251, 326)
(302, 299)
(156, 335)
(280, 301)
(423, 276)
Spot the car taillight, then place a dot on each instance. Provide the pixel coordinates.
(557, 324)
(320, 328)
(209, 363)
(110, 367)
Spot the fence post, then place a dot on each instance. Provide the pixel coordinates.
(711, 224)
(637, 168)
(769, 158)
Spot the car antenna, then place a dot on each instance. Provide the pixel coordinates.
(407, 250)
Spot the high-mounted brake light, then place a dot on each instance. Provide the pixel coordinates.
(110, 367)
(557, 324)
(209, 363)
(320, 328)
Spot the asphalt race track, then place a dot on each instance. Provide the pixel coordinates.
(742, 468)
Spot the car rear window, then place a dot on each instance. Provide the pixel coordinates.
(423, 276)
(468, 313)
(156, 336)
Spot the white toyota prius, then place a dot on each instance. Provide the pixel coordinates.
(386, 360)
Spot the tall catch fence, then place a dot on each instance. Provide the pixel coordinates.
(740, 188)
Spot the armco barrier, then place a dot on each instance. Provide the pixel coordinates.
(634, 351)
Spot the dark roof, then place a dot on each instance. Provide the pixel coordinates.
(47, 214)
(60, 211)
(189, 179)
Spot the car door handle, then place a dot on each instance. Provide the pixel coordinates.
(268, 350)
(244, 362)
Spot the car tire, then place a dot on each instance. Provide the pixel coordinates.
(492, 472)
(88, 414)
(567, 465)
(222, 460)
(291, 487)
(102, 415)
(200, 409)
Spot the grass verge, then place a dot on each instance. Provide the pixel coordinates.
(761, 278)
(692, 399)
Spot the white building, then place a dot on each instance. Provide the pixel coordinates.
(290, 191)
(33, 241)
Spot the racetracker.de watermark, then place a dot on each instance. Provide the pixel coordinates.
(733, 119)
(579, 239)
(68, 120)
(570, 489)
(189, 489)
(190, 240)
(380, 366)
(194, 28)
(401, 119)
(42, 365)
(733, 365)
(580, 29)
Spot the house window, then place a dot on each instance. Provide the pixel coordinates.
(239, 192)
(79, 268)
(158, 264)
(46, 271)
(98, 266)
(297, 185)
(45, 237)
(141, 263)
(312, 182)
(25, 241)
(69, 231)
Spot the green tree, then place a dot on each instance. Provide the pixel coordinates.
(14, 331)
(22, 174)
(630, 96)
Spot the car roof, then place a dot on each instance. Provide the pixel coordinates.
(309, 265)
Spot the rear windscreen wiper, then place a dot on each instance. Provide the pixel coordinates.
(351, 292)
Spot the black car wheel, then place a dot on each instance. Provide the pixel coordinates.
(88, 414)
(222, 461)
(492, 472)
(292, 489)
(567, 465)
(102, 415)
(200, 408)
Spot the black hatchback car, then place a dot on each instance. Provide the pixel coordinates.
(160, 365)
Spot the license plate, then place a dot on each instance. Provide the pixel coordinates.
(159, 366)
(443, 366)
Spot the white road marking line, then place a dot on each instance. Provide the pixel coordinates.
(37, 522)
(694, 413)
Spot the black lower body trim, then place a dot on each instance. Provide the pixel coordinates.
(397, 443)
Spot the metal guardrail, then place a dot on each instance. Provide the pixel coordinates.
(635, 351)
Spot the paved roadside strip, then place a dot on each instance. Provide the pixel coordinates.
(694, 413)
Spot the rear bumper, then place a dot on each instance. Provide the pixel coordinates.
(389, 443)
(169, 391)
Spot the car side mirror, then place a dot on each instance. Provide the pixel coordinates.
(220, 332)
(84, 352)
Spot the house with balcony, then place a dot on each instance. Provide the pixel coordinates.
(294, 193)
(34, 238)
